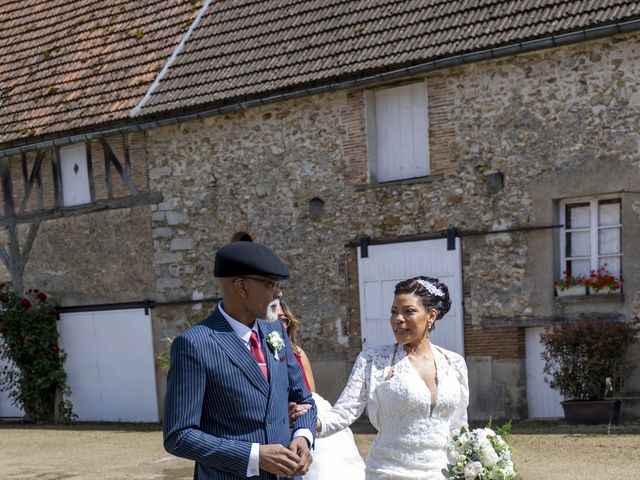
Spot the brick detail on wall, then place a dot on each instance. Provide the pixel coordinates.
(441, 128)
(355, 140)
(350, 297)
(499, 343)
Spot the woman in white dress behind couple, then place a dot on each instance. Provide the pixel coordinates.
(415, 392)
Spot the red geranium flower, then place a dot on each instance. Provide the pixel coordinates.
(26, 304)
(4, 299)
(41, 296)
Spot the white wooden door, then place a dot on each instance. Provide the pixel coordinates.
(75, 175)
(110, 365)
(543, 401)
(386, 265)
(7, 410)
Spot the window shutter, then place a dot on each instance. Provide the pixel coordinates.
(401, 132)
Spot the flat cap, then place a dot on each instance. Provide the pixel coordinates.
(247, 258)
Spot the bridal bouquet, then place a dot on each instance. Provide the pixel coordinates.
(479, 454)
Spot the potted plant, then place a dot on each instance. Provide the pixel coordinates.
(581, 358)
(570, 285)
(601, 281)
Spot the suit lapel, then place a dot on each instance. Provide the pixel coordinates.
(265, 329)
(236, 350)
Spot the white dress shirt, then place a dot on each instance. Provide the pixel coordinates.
(244, 332)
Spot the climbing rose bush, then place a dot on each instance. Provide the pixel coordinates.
(34, 373)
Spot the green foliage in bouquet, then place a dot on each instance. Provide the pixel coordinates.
(29, 345)
(480, 454)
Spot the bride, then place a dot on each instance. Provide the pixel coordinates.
(416, 393)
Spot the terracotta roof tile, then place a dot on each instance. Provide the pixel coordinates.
(72, 64)
(262, 46)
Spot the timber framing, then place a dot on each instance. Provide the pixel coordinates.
(21, 208)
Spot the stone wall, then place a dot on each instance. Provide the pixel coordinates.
(556, 124)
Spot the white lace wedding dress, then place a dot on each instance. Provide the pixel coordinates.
(335, 457)
(411, 435)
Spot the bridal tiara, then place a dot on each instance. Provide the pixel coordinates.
(431, 288)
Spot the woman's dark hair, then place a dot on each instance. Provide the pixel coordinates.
(432, 292)
(291, 324)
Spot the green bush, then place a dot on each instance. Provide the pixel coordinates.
(29, 344)
(579, 356)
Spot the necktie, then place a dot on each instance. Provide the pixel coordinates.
(256, 351)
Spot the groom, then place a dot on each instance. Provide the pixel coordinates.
(232, 376)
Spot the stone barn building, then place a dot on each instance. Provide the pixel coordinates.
(491, 144)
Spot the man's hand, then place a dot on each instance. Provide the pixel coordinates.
(300, 447)
(297, 410)
(280, 460)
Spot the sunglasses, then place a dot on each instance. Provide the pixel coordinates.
(272, 284)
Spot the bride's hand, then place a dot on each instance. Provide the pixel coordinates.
(297, 410)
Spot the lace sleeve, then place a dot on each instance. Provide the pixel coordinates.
(351, 403)
(459, 418)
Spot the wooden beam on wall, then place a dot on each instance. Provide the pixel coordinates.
(92, 187)
(28, 244)
(125, 202)
(110, 158)
(57, 178)
(29, 180)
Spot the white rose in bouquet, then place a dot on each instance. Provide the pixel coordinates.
(472, 470)
(488, 455)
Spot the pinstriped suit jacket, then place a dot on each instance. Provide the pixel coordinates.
(218, 402)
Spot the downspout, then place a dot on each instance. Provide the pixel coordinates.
(425, 67)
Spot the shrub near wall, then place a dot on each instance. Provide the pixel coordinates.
(29, 341)
(580, 356)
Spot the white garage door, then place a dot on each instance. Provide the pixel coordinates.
(110, 365)
(7, 410)
(386, 265)
(544, 402)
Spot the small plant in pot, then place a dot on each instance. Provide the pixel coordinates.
(602, 281)
(570, 285)
(580, 359)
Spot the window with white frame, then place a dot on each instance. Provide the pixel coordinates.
(74, 171)
(592, 235)
(398, 132)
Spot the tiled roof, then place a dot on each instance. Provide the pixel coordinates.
(74, 64)
(255, 47)
(71, 64)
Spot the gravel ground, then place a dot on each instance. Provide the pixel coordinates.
(543, 451)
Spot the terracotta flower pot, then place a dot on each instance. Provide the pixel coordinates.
(591, 412)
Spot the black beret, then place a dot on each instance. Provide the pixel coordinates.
(247, 258)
